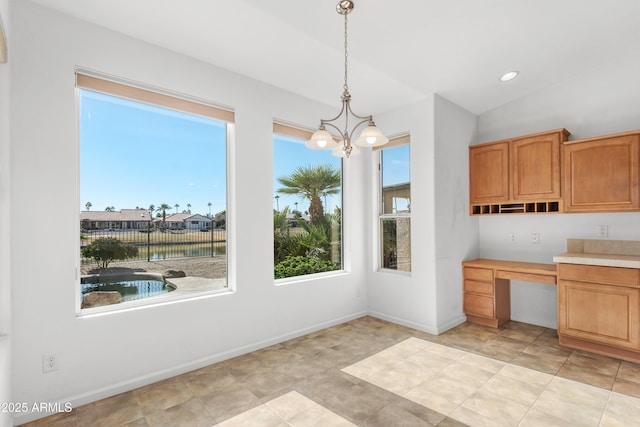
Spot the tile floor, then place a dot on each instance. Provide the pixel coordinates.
(369, 372)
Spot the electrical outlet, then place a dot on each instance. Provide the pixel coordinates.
(535, 238)
(603, 231)
(49, 362)
(513, 237)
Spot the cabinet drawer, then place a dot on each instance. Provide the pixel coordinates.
(479, 305)
(480, 274)
(478, 287)
(597, 274)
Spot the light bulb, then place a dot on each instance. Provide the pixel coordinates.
(322, 143)
(371, 140)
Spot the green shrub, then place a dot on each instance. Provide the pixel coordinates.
(301, 265)
(107, 249)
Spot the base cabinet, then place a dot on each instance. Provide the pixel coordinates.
(599, 309)
(485, 298)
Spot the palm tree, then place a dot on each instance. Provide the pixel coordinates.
(209, 204)
(176, 206)
(312, 182)
(163, 208)
(110, 208)
(88, 206)
(188, 207)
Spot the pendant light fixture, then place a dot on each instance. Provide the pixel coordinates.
(370, 135)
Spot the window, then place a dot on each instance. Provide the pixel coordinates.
(395, 205)
(307, 211)
(152, 180)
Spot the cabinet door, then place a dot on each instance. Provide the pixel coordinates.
(479, 305)
(599, 313)
(535, 167)
(489, 173)
(602, 175)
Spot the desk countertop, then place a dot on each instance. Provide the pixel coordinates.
(605, 260)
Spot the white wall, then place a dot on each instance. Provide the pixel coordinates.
(103, 355)
(5, 236)
(443, 234)
(595, 103)
(456, 230)
(408, 299)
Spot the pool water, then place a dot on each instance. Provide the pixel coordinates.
(131, 289)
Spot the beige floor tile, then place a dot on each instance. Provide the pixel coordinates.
(500, 409)
(467, 374)
(395, 381)
(441, 393)
(481, 362)
(475, 419)
(260, 416)
(317, 416)
(573, 402)
(289, 405)
(536, 418)
(622, 411)
(526, 375)
(518, 391)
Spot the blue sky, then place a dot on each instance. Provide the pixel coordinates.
(134, 155)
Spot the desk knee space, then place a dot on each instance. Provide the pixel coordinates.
(487, 287)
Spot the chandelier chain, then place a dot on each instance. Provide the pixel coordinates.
(346, 56)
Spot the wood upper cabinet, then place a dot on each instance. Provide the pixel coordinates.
(489, 173)
(593, 309)
(517, 170)
(601, 174)
(535, 167)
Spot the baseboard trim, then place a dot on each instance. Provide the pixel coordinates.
(124, 386)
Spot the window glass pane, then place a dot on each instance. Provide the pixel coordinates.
(395, 208)
(396, 186)
(153, 199)
(307, 209)
(396, 243)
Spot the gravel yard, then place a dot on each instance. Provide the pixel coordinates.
(208, 267)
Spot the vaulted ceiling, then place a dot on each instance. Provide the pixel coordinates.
(399, 51)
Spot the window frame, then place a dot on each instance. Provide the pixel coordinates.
(299, 132)
(397, 141)
(91, 80)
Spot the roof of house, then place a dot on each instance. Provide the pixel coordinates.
(121, 215)
(180, 217)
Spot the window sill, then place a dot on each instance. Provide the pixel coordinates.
(395, 272)
(309, 277)
(155, 301)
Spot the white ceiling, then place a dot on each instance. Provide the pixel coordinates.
(399, 51)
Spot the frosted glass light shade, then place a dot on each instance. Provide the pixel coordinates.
(321, 140)
(371, 137)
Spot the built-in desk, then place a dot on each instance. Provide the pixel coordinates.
(487, 287)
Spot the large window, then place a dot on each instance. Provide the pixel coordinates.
(395, 205)
(153, 194)
(307, 208)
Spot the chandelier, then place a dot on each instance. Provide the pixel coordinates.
(370, 135)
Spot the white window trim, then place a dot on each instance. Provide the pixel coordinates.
(378, 215)
(231, 254)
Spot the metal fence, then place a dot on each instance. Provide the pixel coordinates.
(158, 244)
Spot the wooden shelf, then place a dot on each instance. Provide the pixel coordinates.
(515, 208)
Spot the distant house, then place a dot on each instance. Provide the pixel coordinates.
(125, 219)
(185, 221)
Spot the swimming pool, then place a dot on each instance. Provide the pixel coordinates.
(133, 286)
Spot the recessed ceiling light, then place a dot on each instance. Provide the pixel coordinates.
(509, 76)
